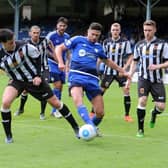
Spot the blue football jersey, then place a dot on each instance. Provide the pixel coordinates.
(84, 54)
(58, 39)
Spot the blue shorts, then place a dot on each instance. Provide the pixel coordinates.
(89, 84)
(55, 73)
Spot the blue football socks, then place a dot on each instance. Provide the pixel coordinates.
(56, 92)
(83, 112)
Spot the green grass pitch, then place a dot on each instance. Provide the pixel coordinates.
(52, 144)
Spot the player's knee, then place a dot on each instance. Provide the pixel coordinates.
(126, 91)
(143, 101)
(161, 106)
(54, 101)
(6, 104)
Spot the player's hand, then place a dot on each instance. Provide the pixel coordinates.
(36, 81)
(153, 67)
(125, 74)
(61, 67)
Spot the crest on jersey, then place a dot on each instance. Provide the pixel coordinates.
(147, 52)
(113, 50)
(96, 50)
(82, 52)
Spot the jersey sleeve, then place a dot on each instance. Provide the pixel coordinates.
(165, 52)
(49, 35)
(102, 54)
(70, 43)
(136, 55)
(128, 48)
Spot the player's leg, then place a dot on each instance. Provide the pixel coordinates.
(141, 112)
(64, 110)
(126, 98)
(44, 92)
(144, 87)
(57, 90)
(23, 99)
(159, 96)
(77, 96)
(98, 105)
(93, 93)
(105, 84)
(9, 95)
(127, 104)
(56, 80)
(158, 109)
(92, 112)
(43, 104)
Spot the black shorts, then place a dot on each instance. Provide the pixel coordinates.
(46, 75)
(41, 92)
(108, 79)
(157, 90)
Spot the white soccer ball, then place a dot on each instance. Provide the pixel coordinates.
(87, 132)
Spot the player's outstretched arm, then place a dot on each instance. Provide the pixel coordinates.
(58, 51)
(113, 65)
(131, 72)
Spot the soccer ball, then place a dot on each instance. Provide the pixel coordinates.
(87, 132)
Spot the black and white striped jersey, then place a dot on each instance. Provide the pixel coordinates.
(43, 47)
(117, 51)
(155, 52)
(21, 64)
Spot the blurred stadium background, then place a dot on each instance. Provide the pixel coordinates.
(21, 14)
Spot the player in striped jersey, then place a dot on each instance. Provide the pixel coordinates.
(22, 64)
(43, 45)
(118, 50)
(152, 55)
(57, 77)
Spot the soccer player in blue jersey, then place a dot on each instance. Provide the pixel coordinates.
(152, 56)
(83, 71)
(57, 77)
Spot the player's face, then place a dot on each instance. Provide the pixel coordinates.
(149, 32)
(115, 31)
(93, 35)
(61, 27)
(10, 44)
(35, 34)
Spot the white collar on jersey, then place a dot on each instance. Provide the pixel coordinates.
(153, 39)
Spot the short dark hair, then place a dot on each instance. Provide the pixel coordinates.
(62, 19)
(96, 26)
(150, 23)
(5, 35)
